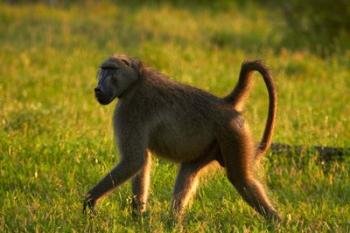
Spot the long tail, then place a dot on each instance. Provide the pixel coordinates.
(239, 94)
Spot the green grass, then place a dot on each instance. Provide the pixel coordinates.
(56, 142)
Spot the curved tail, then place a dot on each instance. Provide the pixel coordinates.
(239, 94)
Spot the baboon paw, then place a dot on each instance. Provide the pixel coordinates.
(274, 218)
(89, 204)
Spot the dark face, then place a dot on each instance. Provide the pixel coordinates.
(114, 77)
(105, 91)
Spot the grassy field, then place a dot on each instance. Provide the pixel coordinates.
(56, 141)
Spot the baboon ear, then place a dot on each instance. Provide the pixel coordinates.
(133, 63)
(125, 61)
(136, 65)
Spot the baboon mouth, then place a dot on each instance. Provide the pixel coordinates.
(103, 99)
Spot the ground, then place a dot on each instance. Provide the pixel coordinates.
(56, 142)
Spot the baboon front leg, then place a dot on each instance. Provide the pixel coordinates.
(122, 172)
(238, 153)
(140, 186)
(186, 182)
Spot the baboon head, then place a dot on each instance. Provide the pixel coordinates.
(115, 76)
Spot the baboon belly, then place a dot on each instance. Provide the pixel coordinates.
(181, 145)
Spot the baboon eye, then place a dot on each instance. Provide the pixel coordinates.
(109, 67)
(104, 71)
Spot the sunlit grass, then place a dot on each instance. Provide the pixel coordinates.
(56, 141)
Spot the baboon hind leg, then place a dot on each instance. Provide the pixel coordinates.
(140, 186)
(237, 149)
(186, 183)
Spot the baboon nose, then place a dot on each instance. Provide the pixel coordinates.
(97, 90)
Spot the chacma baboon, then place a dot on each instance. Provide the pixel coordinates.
(182, 124)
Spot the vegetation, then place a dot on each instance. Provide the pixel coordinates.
(56, 141)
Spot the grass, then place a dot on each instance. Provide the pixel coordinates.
(56, 141)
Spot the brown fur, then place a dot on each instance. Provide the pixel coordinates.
(239, 94)
(182, 124)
